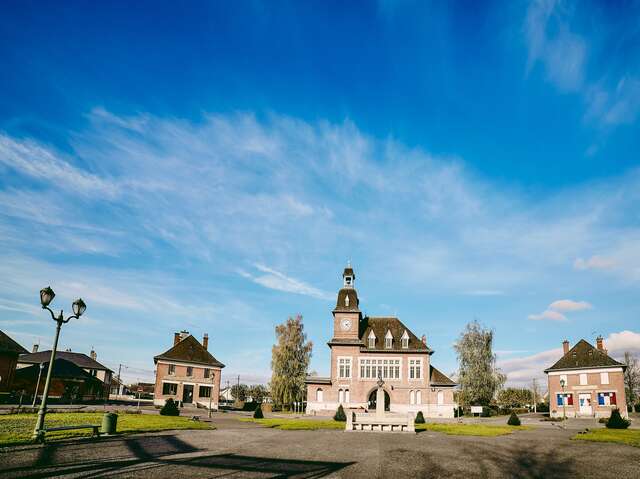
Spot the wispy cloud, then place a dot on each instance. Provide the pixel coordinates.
(273, 279)
(594, 262)
(555, 309)
(548, 314)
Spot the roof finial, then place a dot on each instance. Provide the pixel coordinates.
(349, 263)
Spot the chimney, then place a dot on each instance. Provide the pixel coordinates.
(565, 346)
(183, 334)
(205, 341)
(93, 354)
(35, 348)
(176, 338)
(424, 340)
(599, 343)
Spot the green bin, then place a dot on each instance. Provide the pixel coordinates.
(109, 423)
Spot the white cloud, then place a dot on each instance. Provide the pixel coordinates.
(548, 314)
(273, 279)
(594, 262)
(618, 343)
(566, 305)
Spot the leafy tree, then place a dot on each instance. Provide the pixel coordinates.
(616, 421)
(290, 358)
(257, 392)
(419, 418)
(631, 378)
(170, 408)
(239, 392)
(257, 414)
(478, 376)
(510, 398)
(514, 420)
(340, 415)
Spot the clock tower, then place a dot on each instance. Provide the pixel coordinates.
(347, 314)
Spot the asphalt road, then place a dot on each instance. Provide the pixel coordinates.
(243, 450)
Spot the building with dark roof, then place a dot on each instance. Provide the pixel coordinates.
(365, 349)
(88, 363)
(9, 352)
(188, 373)
(586, 381)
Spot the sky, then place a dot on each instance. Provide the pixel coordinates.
(212, 166)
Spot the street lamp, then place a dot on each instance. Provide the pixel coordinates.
(78, 307)
(564, 407)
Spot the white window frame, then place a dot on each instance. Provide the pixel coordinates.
(371, 365)
(371, 340)
(440, 399)
(340, 396)
(388, 340)
(412, 397)
(347, 396)
(604, 378)
(405, 340)
(584, 379)
(418, 397)
(347, 362)
(415, 362)
(563, 377)
(319, 395)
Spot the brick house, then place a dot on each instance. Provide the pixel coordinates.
(187, 373)
(88, 363)
(364, 348)
(593, 382)
(9, 352)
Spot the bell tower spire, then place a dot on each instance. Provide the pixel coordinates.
(347, 315)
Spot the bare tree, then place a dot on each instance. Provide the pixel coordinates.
(631, 378)
(478, 376)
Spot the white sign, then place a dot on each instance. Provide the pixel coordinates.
(476, 409)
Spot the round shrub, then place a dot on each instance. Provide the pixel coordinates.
(170, 408)
(616, 421)
(340, 415)
(257, 414)
(514, 420)
(419, 418)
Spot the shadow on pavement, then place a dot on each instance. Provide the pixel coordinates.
(149, 456)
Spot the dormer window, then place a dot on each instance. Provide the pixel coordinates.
(405, 340)
(372, 340)
(388, 340)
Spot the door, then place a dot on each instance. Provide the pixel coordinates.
(187, 393)
(585, 403)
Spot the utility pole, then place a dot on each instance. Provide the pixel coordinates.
(119, 380)
(535, 400)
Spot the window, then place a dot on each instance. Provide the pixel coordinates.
(205, 391)
(344, 368)
(412, 397)
(346, 396)
(172, 369)
(386, 368)
(563, 377)
(440, 398)
(340, 396)
(415, 369)
(189, 371)
(206, 372)
(583, 379)
(607, 399)
(169, 389)
(564, 399)
(319, 395)
(372, 340)
(418, 397)
(405, 340)
(604, 378)
(388, 342)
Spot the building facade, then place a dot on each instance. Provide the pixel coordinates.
(88, 364)
(586, 382)
(364, 349)
(188, 373)
(9, 352)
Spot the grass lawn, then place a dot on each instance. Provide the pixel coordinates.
(631, 437)
(470, 429)
(17, 428)
(297, 424)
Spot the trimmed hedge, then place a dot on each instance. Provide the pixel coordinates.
(513, 420)
(616, 421)
(419, 418)
(257, 414)
(340, 415)
(170, 408)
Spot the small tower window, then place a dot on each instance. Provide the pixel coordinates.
(346, 300)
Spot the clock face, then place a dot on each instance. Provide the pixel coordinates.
(345, 324)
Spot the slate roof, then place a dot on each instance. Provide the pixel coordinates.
(354, 302)
(189, 350)
(584, 355)
(79, 359)
(8, 345)
(380, 326)
(62, 369)
(436, 378)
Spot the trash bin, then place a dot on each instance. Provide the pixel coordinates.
(109, 423)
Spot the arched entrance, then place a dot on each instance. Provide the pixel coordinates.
(372, 400)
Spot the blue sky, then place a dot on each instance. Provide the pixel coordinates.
(212, 167)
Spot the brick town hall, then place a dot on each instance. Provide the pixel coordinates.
(366, 348)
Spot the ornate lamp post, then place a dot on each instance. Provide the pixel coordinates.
(564, 407)
(79, 307)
